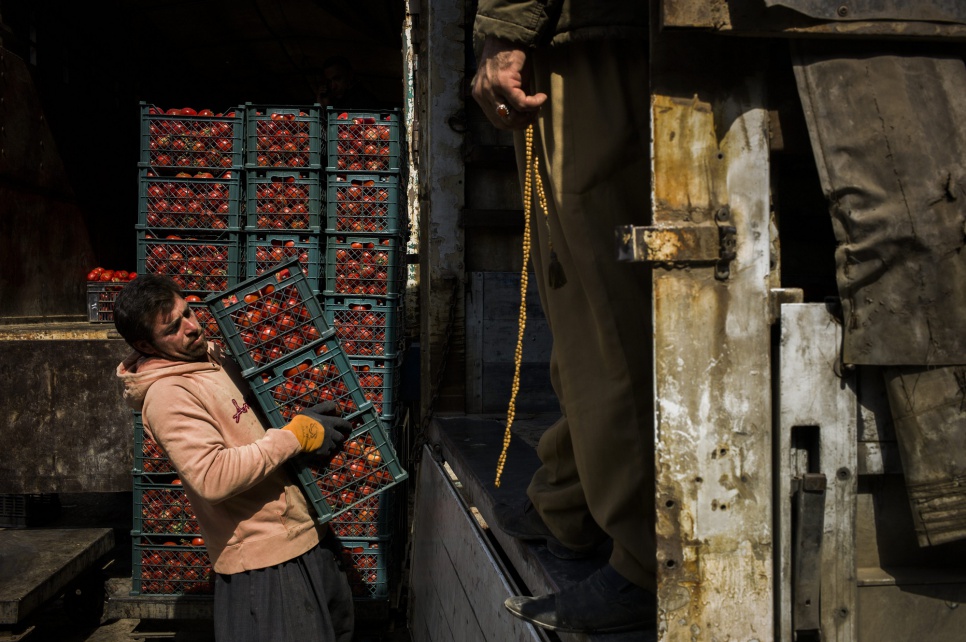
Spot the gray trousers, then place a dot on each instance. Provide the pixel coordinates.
(306, 599)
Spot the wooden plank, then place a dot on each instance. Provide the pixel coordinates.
(492, 329)
(813, 395)
(457, 573)
(712, 364)
(36, 565)
(470, 446)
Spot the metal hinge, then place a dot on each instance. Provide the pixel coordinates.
(680, 245)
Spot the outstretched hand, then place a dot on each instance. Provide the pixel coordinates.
(503, 79)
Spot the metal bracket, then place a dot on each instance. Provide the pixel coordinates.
(808, 521)
(672, 246)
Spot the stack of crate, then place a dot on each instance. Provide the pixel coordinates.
(190, 202)
(283, 194)
(168, 552)
(274, 325)
(363, 293)
(299, 208)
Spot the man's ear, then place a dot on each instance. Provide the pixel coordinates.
(144, 347)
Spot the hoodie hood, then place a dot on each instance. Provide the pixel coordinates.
(138, 372)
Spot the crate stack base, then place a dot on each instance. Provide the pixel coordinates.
(169, 557)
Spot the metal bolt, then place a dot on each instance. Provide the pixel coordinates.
(843, 473)
(843, 11)
(841, 612)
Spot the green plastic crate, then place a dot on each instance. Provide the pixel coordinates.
(362, 141)
(283, 201)
(264, 251)
(363, 265)
(200, 264)
(283, 136)
(379, 380)
(367, 327)
(364, 466)
(366, 564)
(362, 204)
(163, 510)
(170, 566)
(181, 203)
(305, 378)
(267, 318)
(174, 142)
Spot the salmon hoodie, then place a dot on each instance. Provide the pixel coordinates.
(250, 513)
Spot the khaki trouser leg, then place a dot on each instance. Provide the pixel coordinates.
(598, 461)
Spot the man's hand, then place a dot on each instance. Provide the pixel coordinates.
(319, 429)
(503, 78)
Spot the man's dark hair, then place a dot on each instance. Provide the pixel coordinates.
(138, 303)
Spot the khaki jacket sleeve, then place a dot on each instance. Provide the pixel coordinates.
(529, 23)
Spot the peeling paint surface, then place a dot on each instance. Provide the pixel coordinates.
(713, 373)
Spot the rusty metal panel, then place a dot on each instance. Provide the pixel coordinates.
(928, 10)
(712, 369)
(64, 426)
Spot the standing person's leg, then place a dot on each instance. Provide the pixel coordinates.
(593, 146)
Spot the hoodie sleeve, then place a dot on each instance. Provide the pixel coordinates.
(199, 451)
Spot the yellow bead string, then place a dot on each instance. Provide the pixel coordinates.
(532, 175)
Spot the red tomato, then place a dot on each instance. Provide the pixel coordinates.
(198, 541)
(95, 274)
(106, 275)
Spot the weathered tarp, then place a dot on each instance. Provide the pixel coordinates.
(905, 10)
(889, 136)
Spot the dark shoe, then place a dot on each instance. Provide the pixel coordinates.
(523, 522)
(605, 602)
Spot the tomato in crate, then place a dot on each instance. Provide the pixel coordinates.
(267, 251)
(366, 326)
(171, 566)
(284, 136)
(280, 201)
(366, 466)
(199, 201)
(185, 139)
(359, 141)
(199, 264)
(362, 204)
(363, 265)
(269, 317)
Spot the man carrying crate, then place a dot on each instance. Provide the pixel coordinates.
(276, 577)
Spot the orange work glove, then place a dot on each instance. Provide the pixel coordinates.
(319, 428)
